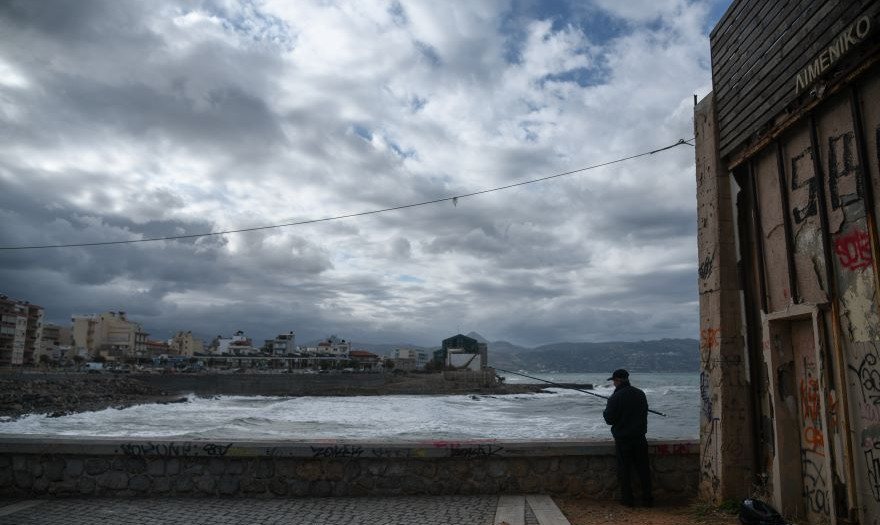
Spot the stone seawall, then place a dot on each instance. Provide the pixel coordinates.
(38, 466)
(331, 384)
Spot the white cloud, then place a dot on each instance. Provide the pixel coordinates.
(167, 120)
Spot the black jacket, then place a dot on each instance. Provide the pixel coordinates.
(627, 412)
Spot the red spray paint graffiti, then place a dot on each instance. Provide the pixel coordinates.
(810, 407)
(854, 250)
(709, 338)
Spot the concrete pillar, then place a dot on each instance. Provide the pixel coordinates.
(725, 420)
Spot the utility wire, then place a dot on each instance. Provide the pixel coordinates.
(454, 199)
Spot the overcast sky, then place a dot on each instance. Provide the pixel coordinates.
(130, 119)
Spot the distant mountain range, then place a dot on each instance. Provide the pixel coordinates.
(664, 355)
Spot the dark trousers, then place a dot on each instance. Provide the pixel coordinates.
(633, 453)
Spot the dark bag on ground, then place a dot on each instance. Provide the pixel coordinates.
(756, 512)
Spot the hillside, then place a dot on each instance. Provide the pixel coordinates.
(665, 355)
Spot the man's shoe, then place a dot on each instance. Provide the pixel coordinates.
(627, 503)
(648, 503)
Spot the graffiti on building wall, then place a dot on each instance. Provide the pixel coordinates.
(709, 338)
(815, 487)
(869, 377)
(871, 448)
(711, 456)
(869, 412)
(705, 395)
(706, 266)
(803, 186)
(853, 249)
(844, 186)
(813, 435)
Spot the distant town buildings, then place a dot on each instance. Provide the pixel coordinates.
(110, 335)
(410, 359)
(462, 352)
(334, 347)
(363, 360)
(156, 348)
(26, 341)
(183, 343)
(56, 344)
(238, 344)
(21, 331)
(283, 344)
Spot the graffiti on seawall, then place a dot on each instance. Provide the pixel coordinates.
(172, 449)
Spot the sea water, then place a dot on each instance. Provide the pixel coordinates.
(558, 414)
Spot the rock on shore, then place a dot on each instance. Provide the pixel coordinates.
(61, 394)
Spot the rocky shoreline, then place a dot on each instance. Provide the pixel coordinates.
(61, 394)
(70, 393)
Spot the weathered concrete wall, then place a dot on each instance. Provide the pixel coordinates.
(60, 467)
(725, 421)
(804, 216)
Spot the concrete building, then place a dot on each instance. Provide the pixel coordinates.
(238, 344)
(110, 335)
(466, 352)
(21, 332)
(13, 331)
(156, 348)
(787, 184)
(334, 347)
(364, 360)
(33, 339)
(283, 344)
(183, 343)
(56, 342)
(409, 359)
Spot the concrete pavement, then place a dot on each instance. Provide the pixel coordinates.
(409, 510)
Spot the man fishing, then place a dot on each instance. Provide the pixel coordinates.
(627, 413)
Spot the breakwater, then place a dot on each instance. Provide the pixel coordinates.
(59, 394)
(483, 382)
(63, 393)
(63, 467)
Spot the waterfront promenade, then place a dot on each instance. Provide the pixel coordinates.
(413, 510)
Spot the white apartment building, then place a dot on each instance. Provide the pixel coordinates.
(334, 347)
(238, 344)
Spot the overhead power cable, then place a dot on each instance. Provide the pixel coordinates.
(453, 198)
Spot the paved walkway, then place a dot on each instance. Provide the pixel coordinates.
(416, 510)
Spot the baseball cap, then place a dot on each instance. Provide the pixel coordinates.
(620, 373)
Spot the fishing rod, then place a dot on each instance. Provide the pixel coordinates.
(568, 387)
